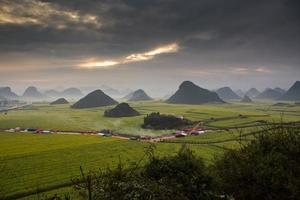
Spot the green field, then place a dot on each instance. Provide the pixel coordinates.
(31, 162)
(216, 115)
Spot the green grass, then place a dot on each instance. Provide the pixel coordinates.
(31, 161)
(62, 117)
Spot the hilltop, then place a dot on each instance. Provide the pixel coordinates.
(278, 89)
(226, 93)
(293, 94)
(189, 93)
(71, 93)
(96, 98)
(269, 94)
(246, 99)
(139, 95)
(121, 110)
(32, 93)
(240, 93)
(59, 101)
(253, 92)
(8, 93)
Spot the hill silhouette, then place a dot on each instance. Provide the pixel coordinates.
(112, 91)
(121, 110)
(253, 92)
(189, 93)
(128, 96)
(246, 99)
(139, 95)
(71, 93)
(52, 93)
(278, 89)
(240, 93)
(96, 98)
(269, 94)
(32, 93)
(293, 94)
(226, 93)
(59, 101)
(8, 93)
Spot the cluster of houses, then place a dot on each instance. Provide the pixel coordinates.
(30, 130)
(189, 132)
(41, 131)
(197, 130)
(108, 133)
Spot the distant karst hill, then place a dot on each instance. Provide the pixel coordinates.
(246, 99)
(67, 93)
(121, 110)
(226, 93)
(253, 92)
(139, 95)
(96, 98)
(269, 94)
(240, 93)
(72, 93)
(59, 101)
(293, 94)
(128, 96)
(278, 89)
(189, 93)
(52, 93)
(32, 93)
(8, 93)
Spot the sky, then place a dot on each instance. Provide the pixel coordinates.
(153, 45)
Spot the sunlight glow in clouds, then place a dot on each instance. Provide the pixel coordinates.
(262, 70)
(104, 64)
(33, 12)
(170, 48)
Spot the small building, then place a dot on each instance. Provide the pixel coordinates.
(46, 132)
(31, 130)
(180, 134)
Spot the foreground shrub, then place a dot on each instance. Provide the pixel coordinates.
(267, 168)
(179, 177)
(183, 176)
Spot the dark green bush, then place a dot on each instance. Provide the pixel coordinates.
(180, 177)
(267, 168)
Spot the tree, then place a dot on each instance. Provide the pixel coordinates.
(179, 177)
(267, 168)
(183, 176)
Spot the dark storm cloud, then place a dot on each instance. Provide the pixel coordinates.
(137, 25)
(220, 41)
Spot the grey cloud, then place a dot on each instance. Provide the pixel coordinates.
(212, 34)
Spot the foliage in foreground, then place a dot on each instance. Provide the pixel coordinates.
(179, 177)
(266, 168)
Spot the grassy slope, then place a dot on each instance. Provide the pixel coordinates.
(30, 161)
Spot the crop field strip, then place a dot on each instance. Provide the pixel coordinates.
(48, 162)
(65, 118)
(53, 168)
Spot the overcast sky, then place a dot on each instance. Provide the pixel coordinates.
(149, 44)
